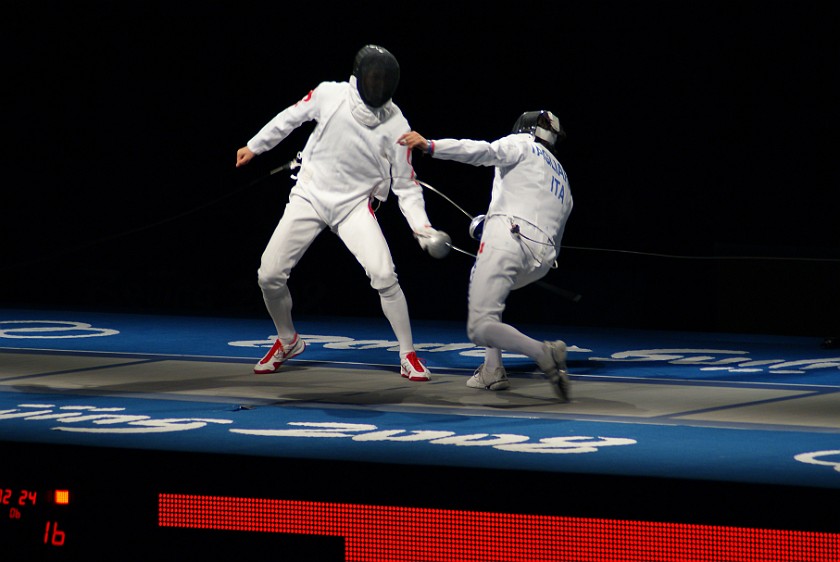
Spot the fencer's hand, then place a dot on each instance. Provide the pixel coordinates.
(243, 156)
(424, 237)
(436, 243)
(414, 140)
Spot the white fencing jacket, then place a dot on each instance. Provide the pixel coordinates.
(351, 155)
(529, 183)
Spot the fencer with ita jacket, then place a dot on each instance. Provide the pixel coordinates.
(530, 196)
(351, 155)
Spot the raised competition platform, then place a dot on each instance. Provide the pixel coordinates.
(675, 446)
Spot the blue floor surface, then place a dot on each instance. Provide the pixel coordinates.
(684, 446)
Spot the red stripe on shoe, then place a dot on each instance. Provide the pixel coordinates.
(415, 362)
(268, 356)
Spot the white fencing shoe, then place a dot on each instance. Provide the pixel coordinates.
(554, 367)
(278, 354)
(497, 380)
(413, 369)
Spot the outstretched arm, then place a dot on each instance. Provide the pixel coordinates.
(283, 124)
(503, 152)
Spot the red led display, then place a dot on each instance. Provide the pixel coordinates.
(409, 534)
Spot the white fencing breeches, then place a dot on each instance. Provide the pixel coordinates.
(360, 233)
(505, 262)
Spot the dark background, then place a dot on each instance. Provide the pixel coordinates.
(701, 154)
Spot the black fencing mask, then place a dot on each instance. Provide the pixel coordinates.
(377, 75)
(544, 125)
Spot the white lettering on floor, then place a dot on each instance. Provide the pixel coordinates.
(116, 421)
(50, 329)
(100, 417)
(501, 441)
(819, 458)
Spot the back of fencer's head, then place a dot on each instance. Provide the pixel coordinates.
(544, 125)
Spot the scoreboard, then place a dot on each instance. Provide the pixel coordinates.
(60, 503)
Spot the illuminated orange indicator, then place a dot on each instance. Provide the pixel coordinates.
(62, 497)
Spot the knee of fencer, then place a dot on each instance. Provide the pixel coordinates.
(389, 291)
(476, 329)
(386, 285)
(271, 284)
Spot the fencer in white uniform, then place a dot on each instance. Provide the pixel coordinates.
(351, 158)
(519, 240)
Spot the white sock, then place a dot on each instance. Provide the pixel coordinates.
(395, 308)
(492, 359)
(280, 309)
(500, 336)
